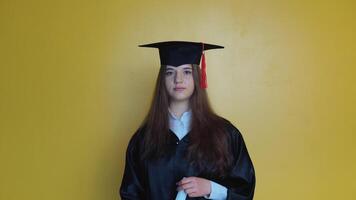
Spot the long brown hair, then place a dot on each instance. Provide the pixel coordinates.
(208, 149)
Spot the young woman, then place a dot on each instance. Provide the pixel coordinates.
(183, 147)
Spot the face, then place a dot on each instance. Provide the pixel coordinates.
(179, 82)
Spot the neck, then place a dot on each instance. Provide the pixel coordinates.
(178, 108)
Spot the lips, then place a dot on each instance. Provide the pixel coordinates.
(179, 88)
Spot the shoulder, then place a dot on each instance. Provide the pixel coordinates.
(236, 141)
(234, 135)
(136, 139)
(231, 128)
(139, 134)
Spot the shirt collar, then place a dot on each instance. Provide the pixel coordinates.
(185, 115)
(180, 127)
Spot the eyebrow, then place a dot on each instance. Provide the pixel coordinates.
(171, 68)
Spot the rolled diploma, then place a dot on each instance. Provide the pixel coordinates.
(181, 195)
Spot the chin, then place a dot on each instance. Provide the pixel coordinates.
(179, 98)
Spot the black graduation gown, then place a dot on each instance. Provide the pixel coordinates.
(157, 179)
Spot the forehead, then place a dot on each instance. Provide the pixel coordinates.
(184, 66)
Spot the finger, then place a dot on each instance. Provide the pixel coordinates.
(180, 182)
(187, 186)
(193, 194)
(191, 191)
(187, 180)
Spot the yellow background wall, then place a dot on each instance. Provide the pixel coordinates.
(74, 87)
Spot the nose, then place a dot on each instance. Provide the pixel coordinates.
(178, 77)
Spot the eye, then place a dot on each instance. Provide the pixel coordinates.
(187, 72)
(168, 73)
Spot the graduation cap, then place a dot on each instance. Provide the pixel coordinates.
(176, 53)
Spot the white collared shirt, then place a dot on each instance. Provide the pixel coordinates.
(181, 127)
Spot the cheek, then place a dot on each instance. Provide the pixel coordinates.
(168, 83)
(191, 84)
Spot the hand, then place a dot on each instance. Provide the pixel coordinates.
(195, 186)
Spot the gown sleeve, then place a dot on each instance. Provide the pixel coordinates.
(240, 182)
(131, 186)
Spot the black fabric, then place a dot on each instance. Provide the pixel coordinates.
(157, 179)
(176, 53)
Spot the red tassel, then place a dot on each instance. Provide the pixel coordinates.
(203, 80)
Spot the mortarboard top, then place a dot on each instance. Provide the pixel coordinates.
(176, 53)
